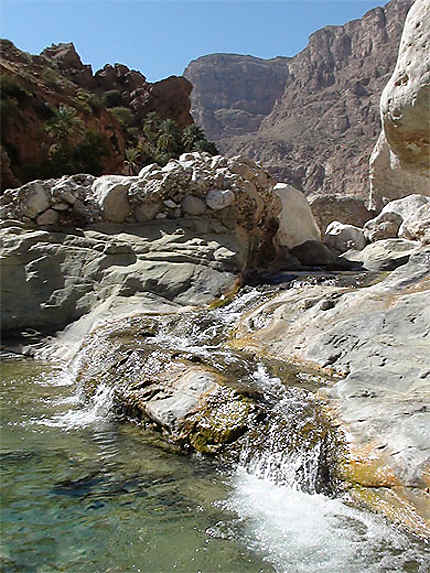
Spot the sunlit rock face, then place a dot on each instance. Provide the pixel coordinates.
(400, 163)
(182, 234)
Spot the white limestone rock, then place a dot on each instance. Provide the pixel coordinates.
(400, 163)
(296, 221)
(416, 227)
(384, 226)
(111, 194)
(153, 167)
(344, 237)
(406, 206)
(35, 199)
(388, 223)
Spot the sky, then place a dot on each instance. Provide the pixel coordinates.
(161, 37)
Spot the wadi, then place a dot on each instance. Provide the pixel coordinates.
(216, 318)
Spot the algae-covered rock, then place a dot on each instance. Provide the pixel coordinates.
(214, 404)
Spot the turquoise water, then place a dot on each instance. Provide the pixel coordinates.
(82, 492)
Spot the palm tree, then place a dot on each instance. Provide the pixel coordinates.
(131, 159)
(169, 139)
(191, 134)
(151, 125)
(65, 125)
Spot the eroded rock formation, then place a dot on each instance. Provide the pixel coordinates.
(177, 235)
(400, 163)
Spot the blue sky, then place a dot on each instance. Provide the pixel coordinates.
(161, 37)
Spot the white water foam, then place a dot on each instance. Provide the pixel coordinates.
(98, 410)
(301, 533)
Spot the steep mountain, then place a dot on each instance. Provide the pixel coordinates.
(49, 98)
(324, 120)
(232, 94)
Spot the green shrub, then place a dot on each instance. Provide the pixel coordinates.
(51, 77)
(88, 155)
(11, 88)
(112, 98)
(123, 115)
(95, 102)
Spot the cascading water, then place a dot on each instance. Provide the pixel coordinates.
(74, 473)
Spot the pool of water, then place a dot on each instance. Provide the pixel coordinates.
(82, 492)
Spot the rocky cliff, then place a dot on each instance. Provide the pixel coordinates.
(108, 105)
(233, 93)
(324, 116)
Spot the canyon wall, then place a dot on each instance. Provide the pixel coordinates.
(323, 119)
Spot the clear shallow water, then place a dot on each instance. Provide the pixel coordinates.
(81, 492)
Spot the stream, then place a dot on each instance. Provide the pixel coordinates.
(86, 491)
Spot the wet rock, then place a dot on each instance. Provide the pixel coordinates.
(377, 339)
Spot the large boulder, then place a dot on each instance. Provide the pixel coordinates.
(385, 226)
(416, 227)
(400, 163)
(296, 221)
(388, 224)
(329, 208)
(383, 255)
(111, 195)
(342, 237)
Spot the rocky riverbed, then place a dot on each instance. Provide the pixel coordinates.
(157, 318)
